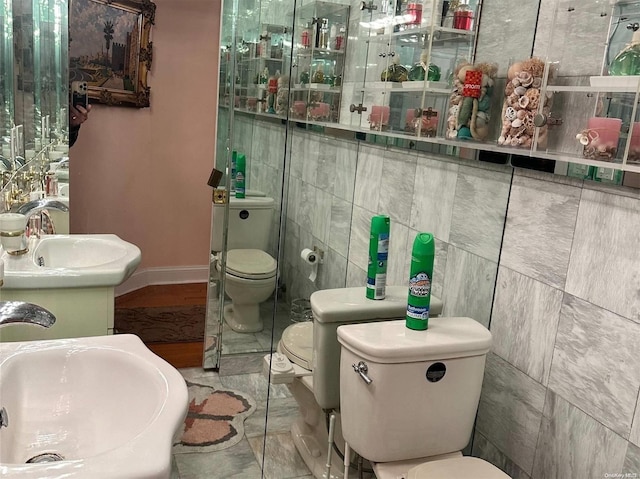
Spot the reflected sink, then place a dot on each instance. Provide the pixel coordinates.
(103, 407)
(68, 261)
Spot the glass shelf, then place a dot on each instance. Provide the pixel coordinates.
(408, 86)
(248, 60)
(321, 51)
(590, 89)
(440, 34)
(471, 145)
(321, 88)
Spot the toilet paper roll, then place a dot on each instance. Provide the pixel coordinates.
(310, 257)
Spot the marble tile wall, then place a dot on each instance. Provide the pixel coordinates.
(507, 32)
(562, 385)
(335, 188)
(561, 35)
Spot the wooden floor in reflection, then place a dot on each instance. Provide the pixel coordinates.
(179, 355)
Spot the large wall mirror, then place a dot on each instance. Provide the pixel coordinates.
(325, 182)
(34, 126)
(325, 168)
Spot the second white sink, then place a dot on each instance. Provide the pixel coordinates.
(72, 261)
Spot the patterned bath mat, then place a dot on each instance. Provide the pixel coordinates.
(171, 324)
(215, 419)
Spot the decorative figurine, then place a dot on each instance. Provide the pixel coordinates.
(470, 101)
(395, 72)
(272, 89)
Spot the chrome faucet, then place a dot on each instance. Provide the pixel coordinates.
(35, 207)
(12, 312)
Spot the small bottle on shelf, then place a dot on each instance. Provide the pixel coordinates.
(339, 41)
(264, 76)
(463, 16)
(324, 34)
(305, 38)
(265, 45)
(414, 14)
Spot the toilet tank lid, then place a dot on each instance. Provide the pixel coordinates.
(392, 342)
(351, 304)
(458, 468)
(253, 202)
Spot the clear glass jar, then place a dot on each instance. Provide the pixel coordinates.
(627, 62)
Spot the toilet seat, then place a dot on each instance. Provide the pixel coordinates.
(458, 468)
(251, 264)
(297, 344)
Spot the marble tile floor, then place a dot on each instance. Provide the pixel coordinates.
(244, 460)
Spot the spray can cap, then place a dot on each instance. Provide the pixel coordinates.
(380, 224)
(241, 160)
(424, 245)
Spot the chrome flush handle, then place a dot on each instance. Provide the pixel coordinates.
(362, 369)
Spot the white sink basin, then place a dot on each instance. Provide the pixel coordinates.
(68, 261)
(107, 405)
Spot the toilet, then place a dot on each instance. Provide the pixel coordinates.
(251, 272)
(313, 350)
(408, 399)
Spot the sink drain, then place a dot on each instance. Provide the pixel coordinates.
(45, 457)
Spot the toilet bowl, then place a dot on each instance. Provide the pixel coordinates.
(422, 388)
(250, 279)
(314, 351)
(250, 272)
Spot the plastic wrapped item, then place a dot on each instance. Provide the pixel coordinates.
(379, 117)
(522, 101)
(420, 70)
(422, 122)
(600, 139)
(395, 73)
(282, 96)
(634, 151)
(301, 310)
(470, 101)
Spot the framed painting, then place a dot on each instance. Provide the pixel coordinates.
(110, 49)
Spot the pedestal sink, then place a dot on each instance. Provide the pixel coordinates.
(73, 276)
(98, 408)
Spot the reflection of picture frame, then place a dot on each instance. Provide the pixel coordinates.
(110, 49)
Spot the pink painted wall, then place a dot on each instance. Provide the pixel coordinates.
(142, 173)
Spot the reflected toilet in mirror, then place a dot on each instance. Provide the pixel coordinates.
(251, 272)
(316, 388)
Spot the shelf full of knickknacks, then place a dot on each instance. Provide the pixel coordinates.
(410, 73)
(580, 104)
(319, 52)
(413, 52)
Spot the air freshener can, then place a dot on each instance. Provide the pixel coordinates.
(420, 281)
(378, 256)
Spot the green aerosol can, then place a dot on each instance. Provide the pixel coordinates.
(378, 256)
(420, 279)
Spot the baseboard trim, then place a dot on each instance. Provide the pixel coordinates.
(164, 275)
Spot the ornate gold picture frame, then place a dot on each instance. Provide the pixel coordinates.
(110, 48)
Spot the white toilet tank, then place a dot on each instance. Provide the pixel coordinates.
(335, 307)
(425, 387)
(250, 222)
